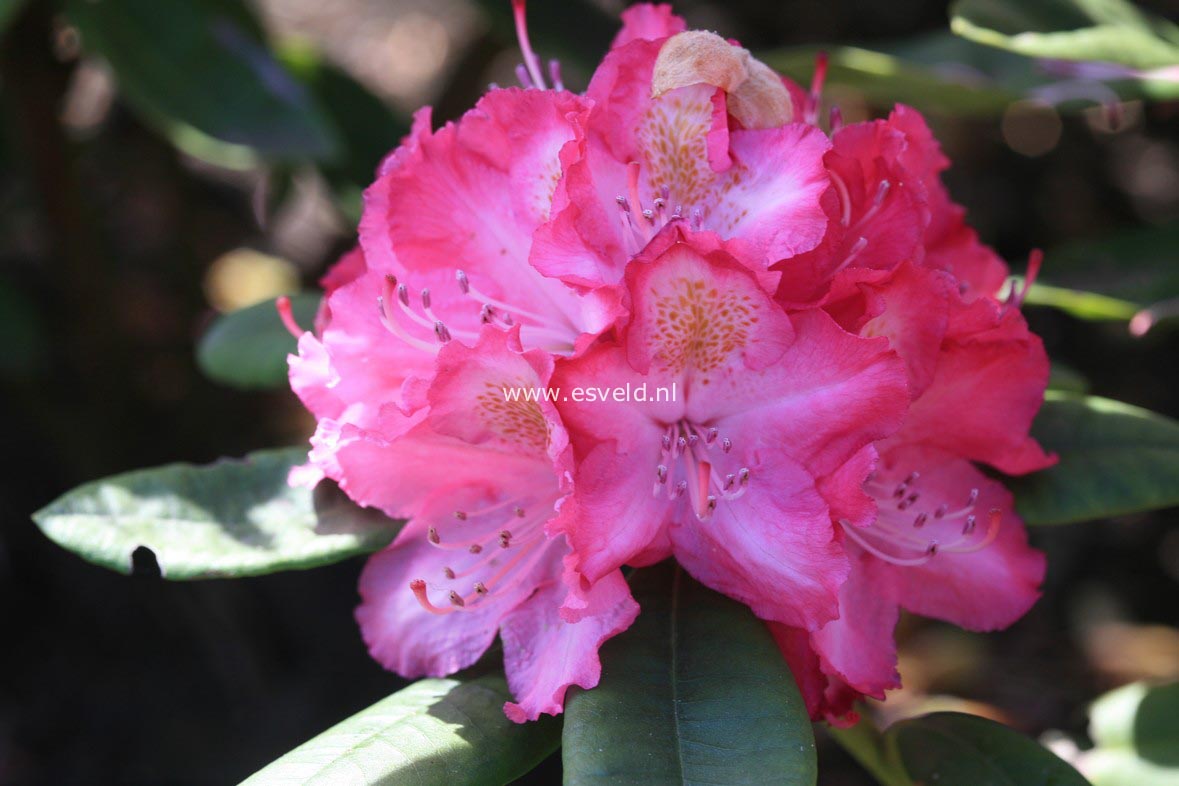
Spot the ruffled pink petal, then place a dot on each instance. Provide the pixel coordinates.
(400, 634)
(647, 22)
(773, 548)
(544, 655)
(950, 244)
(844, 489)
(910, 306)
(494, 394)
(369, 367)
(858, 647)
(613, 518)
(826, 696)
(700, 317)
(982, 589)
(471, 195)
(831, 394)
(413, 640)
(771, 196)
(988, 385)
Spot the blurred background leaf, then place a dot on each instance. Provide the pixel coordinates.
(1134, 731)
(1114, 459)
(367, 127)
(200, 71)
(960, 749)
(8, 10)
(1113, 31)
(248, 348)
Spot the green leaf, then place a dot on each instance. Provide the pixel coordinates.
(883, 79)
(231, 518)
(1139, 265)
(956, 749)
(8, 12)
(436, 732)
(695, 692)
(200, 72)
(1080, 304)
(1067, 379)
(248, 348)
(869, 747)
(1136, 732)
(1114, 459)
(1112, 31)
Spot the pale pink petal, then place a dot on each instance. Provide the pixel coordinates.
(470, 198)
(770, 197)
(773, 548)
(403, 635)
(544, 655)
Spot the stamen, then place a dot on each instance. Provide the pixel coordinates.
(893, 536)
(283, 305)
(555, 74)
(418, 587)
(844, 197)
(811, 115)
(835, 119)
(522, 76)
(1035, 260)
(530, 59)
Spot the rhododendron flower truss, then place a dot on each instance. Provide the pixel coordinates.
(826, 320)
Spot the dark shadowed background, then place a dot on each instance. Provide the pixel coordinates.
(116, 251)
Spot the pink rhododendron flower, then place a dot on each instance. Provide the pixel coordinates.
(945, 541)
(738, 476)
(823, 316)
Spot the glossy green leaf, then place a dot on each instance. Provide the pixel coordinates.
(436, 732)
(1114, 459)
(200, 72)
(231, 518)
(248, 348)
(695, 691)
(1112, 31)
(956, 749)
